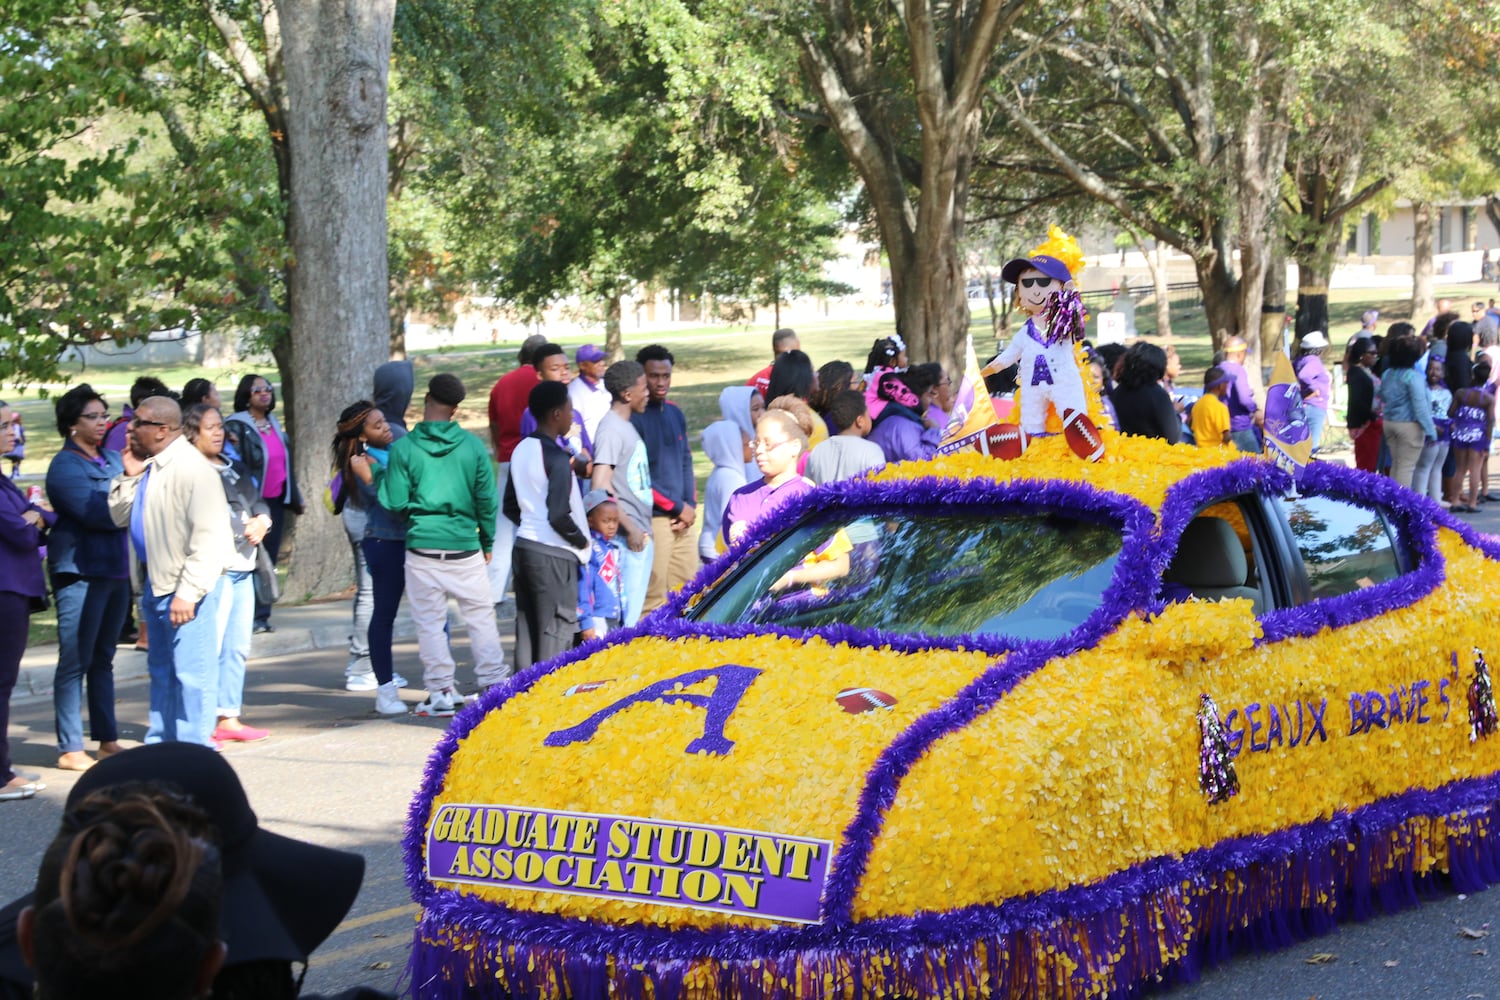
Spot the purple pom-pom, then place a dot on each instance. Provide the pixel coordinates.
(1216, 774)
(1482, 717)
(1064, 317)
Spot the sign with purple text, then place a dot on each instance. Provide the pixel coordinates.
(625, 857)
(973, 411)
(1288, 440)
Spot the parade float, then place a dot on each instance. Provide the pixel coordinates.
(1063, 728)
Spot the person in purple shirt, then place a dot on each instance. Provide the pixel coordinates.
(1313, 377)
(551, 363)
(901, 431)
(779, 444)
(1244, 414)
(23, 526)
(142, 388)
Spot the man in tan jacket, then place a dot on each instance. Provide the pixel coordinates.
(173, 502)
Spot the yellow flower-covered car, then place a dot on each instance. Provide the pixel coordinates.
(1040, 728)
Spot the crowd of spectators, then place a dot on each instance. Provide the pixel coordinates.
(585, 504)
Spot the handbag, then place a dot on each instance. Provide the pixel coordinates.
(267, 590)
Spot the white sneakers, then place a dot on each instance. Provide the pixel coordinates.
(360, 681)
(388, 699)
(364, 680)
(440, 704)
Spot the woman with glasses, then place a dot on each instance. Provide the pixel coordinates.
(87, 557)
(261, 443)
(1362, 418)
(203, 426)
(779, 443)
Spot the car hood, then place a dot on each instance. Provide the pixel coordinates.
(691, 781)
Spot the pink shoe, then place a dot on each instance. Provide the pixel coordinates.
(244, 734)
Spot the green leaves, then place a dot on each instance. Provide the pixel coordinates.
(106, 231)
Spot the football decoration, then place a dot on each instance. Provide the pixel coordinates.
(586, 687)
(1006, 441)
(858, 700)
(1082, 436)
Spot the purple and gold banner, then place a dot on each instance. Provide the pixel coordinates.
(625, 857)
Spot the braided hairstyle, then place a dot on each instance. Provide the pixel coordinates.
(346, 444)
(128, 897)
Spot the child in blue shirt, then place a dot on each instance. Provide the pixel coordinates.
(601, 595)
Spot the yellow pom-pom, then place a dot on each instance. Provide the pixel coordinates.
(1065, 248)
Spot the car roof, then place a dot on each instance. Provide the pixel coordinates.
(1141, 468)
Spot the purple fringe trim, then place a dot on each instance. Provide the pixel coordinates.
(546, 954)
(1259, 892)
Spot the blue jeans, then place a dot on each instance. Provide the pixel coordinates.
(236, 615)
(635, 574)
(364, 595)
(387, 563)
(1316, 418)
(183, 662)
(90, 614)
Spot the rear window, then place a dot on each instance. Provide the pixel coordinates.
(1344, 547)
(1020, 576)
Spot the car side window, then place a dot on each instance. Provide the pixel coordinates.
(1344, 547)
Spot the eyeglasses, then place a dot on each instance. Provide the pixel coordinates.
(1036, 282)
(101, 415)
(759, 445)
(261, 389)
(143, 422)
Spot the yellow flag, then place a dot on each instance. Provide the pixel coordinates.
(1288, 441)
(973, 410)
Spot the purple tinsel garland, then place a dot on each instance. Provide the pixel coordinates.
(577, 952)
(1293, 883)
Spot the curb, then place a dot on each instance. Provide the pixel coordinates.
(39, 665)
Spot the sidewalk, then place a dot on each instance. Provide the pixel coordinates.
(299, 628)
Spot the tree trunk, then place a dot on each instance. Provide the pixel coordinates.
(932, 307)
(336, 55)
(1273, 303)
(1163, 292)
(1421, 250)
(1313, 275)
(398, 327)
(612, 342)
(1218, 288)
(950, 63)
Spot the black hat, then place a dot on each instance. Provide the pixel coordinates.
(447, 388)
(287, 895)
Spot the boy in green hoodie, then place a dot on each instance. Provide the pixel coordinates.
(441, 480)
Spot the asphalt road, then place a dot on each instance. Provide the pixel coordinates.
(334, 773)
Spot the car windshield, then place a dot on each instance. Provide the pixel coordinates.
(1023, 576)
